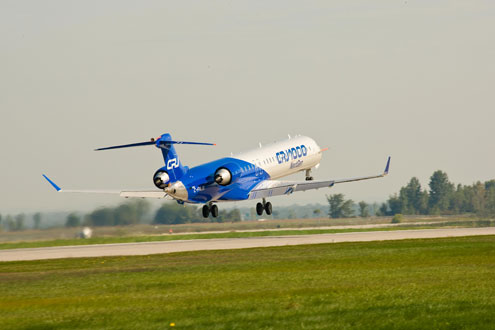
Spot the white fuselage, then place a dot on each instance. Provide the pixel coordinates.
(284, 158)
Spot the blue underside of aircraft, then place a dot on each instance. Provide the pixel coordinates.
(202, 188)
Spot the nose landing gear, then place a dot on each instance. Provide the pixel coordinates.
(265, 206)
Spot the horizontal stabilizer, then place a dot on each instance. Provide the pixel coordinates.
(139, 144)
(159, 142)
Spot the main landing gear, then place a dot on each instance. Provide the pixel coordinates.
(265, 206)
(308, 175)
(210, 208)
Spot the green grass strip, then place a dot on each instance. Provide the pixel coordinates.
(410, 284)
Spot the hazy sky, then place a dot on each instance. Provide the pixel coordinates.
(368, 79)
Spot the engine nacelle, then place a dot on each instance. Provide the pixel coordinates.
(161, 179)
(223, 176)
(227, 174)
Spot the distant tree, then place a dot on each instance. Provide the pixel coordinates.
(173, 213)
(317, 213)
(458, 200)
(104, 216)
(131, 212)
(441, 191)
(125, 214)
(252, 213)
(411, 197)
(73, 220)
(141, 207)
(292, 214)
(490, 200)
(478, 198)
(425, 197)
(234, 215)
(19, 221)
(395, 205)
(489, 184)
(37, 220)
(9, 223)
(339, 207)
(363, 209)
(382, 210)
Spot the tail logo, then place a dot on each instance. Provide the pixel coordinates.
(172, 163)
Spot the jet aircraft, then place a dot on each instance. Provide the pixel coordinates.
(246, 176)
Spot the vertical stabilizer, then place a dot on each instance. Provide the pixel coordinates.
(173, 165)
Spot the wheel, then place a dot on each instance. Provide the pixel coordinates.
(309, 178)
(259, 209)
(214, 210)
(206, 211)
(268, 208)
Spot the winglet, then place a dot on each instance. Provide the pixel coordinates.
(387, 167)
(57, 188)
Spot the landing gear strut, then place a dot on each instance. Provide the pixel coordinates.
(308, 175)
(265, 206)
(210, 208)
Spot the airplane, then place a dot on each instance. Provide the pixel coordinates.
(246, 176)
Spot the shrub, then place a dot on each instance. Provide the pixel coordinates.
(397, 218)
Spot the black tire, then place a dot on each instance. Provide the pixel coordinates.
(214, 211)
(259, 209)
(268, 208)
(206, 211)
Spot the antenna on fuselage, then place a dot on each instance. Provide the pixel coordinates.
(289, 136)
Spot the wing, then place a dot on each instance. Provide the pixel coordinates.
(121, 193)
(270, 188)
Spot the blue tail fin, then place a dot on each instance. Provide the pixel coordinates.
(173, 165)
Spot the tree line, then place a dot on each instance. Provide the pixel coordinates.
(18, 222)
(134, 211)
(127, 213)
(441, 198)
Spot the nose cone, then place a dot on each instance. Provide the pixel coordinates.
(177, 190)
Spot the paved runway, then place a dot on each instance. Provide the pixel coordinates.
(130, 249)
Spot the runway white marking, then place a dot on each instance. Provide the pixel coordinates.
(145, 248)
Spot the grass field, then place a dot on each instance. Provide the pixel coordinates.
(412, 284)
(155, 238)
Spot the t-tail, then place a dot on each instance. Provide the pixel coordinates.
(173, 169)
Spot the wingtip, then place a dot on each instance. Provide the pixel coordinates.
(54, 185)
(388, 166)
